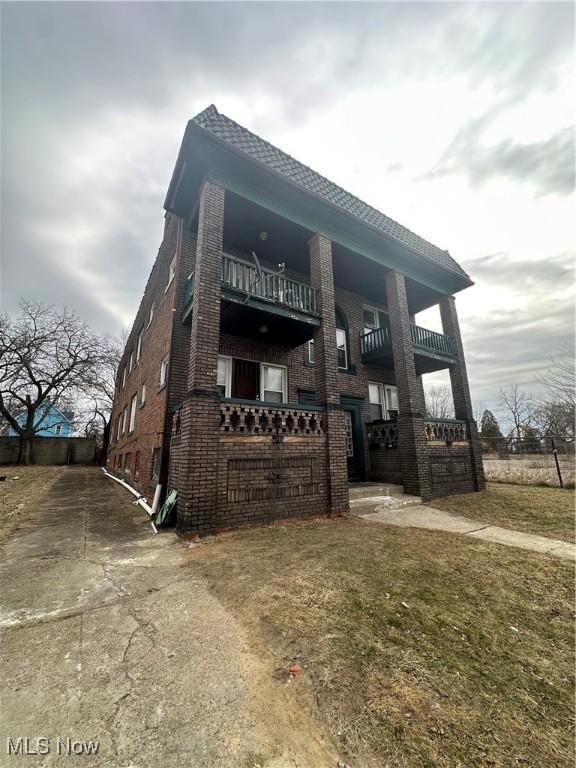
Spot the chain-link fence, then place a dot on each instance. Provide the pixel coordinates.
(529, 461)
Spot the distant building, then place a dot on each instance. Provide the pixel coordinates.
(275, 358)
(49, 421)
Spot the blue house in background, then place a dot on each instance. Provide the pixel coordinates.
(49, 421)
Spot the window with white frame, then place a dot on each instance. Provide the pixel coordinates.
(377, 402)
(151, 314)
(392, 407)
(143, 394)
(342, 346)
(310, 352)
(133, 405)
(119, 428)
(139, 346)
(171, 271)
(163, 372)
(124, 376)
(370, 319)
(124, 420)
(131, 361)
(273, 383)
(224, 378)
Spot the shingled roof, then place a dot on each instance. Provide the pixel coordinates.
(245, 142)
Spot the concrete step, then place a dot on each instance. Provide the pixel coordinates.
(368, 504)
(370, 490)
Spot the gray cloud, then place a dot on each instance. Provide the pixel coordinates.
(95, 97)
(547, 166)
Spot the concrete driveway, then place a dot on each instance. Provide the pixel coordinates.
(107, 637)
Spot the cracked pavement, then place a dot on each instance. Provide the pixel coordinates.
(107, 636)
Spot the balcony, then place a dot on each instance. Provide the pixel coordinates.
(432, 351)
(262, 304)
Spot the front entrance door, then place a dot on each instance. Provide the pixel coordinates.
(354, 452)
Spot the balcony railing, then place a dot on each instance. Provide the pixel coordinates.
(432, 341)
(254, 418)
(429, 342)
(446, 430)
(385, 432)
(269, 286)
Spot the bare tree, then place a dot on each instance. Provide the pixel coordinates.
(46, 355)
(520, 407)
(99, 387)
(560, 379)
(439, 403)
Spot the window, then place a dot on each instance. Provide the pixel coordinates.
(124, 376)
(342, 339)
(131, 361)
(133, 414)
(143, 394)
(155, 466)
(137, 463)
(124, 420)
(273, 383)
(58, 429)
(371, 319)
(127, 460)
(392, 406)
(171, 272)
(224, 376)
(376, 398)
(119, 428)
(139, 346)
(163, 372)
(151, 315)
(342, 348)
(310, 352)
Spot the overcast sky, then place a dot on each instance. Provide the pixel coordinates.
(455, 119)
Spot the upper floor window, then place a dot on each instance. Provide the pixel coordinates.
(119, 428)
(163, 372)
(131, 361)
(123, 376)
(151, 314)
(249, 380)
(124, 420)
(310, 359)
(171, 272)
(133, 414)
(143, 394)
(376, 398)
(392, 407)
(342, 339)
(372, 318)
(139, 346)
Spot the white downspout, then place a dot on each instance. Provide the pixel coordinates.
(140, 500)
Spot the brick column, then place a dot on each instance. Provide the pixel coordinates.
(460, 387)
(326, 375)
(200, 420)
(414, 458)
(420, 384)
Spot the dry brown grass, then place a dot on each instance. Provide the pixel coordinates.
(543, 511)
(19, 497)
(422, 648)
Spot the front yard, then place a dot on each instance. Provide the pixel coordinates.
(417, 648)
(543, 511)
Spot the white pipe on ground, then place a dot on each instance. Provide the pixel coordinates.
(140, 500)
(156, 501)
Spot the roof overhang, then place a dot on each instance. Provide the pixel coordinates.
(204, 155)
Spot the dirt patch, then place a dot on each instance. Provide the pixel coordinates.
(420, 648)
(542, 511)
(19, 497)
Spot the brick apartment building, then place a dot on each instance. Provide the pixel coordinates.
(274, 357)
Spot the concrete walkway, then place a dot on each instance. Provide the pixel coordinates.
(107, 636)
(422, 516)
